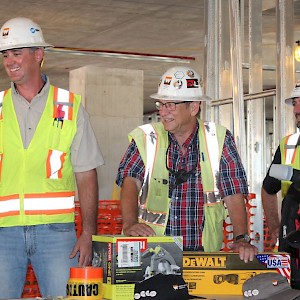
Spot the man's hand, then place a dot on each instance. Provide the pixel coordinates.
(246, 251)
(84, 247)
(138, 229)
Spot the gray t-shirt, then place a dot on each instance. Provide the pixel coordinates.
(85, 151)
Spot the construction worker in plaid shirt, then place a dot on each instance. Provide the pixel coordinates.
(177, 174)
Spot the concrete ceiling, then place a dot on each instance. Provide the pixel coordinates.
(169, 27)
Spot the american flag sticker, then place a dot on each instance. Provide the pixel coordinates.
(280, 262)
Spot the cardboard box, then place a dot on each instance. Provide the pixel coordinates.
(224, 273)
(126, 260)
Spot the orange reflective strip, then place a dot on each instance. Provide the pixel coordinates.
(9, 213)
(50, 195)
(9, 197)
(49, 168)
(293, 157)
(71, 100)
(285, 143)
(286, 150)
(48, 165)
(50, 212)
(62, 160)
(55, 92)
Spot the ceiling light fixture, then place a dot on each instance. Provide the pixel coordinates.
(297, 51)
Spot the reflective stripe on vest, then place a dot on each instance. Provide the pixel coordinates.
(50, 203)
(289, 156)
(151, 144)
(211, 197)
(62, 110)
(64, 107)
(290, 148)
(55, 162)
(2, 94)
(9, 205)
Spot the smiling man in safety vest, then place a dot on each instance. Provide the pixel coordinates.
(176, 173)
(44, 133)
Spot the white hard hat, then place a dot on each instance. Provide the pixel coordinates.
(180, 84)
(295, 94)
(21, 33)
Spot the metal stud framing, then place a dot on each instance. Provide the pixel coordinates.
(225, 48)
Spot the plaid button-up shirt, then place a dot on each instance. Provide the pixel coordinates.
(186, 215)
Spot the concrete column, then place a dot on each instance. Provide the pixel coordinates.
(114, 100)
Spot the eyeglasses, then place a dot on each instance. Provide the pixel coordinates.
(169, 105)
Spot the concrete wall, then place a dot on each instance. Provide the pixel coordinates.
(114, 100)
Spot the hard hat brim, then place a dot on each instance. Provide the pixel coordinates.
(289, 101)
(181, 98)
(26, 45)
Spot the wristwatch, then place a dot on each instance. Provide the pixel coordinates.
(245, 237)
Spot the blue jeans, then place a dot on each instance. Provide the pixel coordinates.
(46, 247)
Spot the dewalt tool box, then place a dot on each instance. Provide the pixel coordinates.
(224, 273)
(126, 260)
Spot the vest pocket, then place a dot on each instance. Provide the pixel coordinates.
(212, 235)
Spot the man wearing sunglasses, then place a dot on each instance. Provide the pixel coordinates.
(177, 174)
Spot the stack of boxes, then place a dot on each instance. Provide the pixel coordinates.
(127, 260)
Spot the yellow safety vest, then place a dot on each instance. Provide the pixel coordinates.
(152, 142)
(37, 184)
(290, 155)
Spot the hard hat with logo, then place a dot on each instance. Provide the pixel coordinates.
(295, 94)
(180, 84)
(21, 33)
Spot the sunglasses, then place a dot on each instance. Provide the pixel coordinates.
(181, 175)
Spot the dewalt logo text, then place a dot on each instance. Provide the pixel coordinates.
(204, 261)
